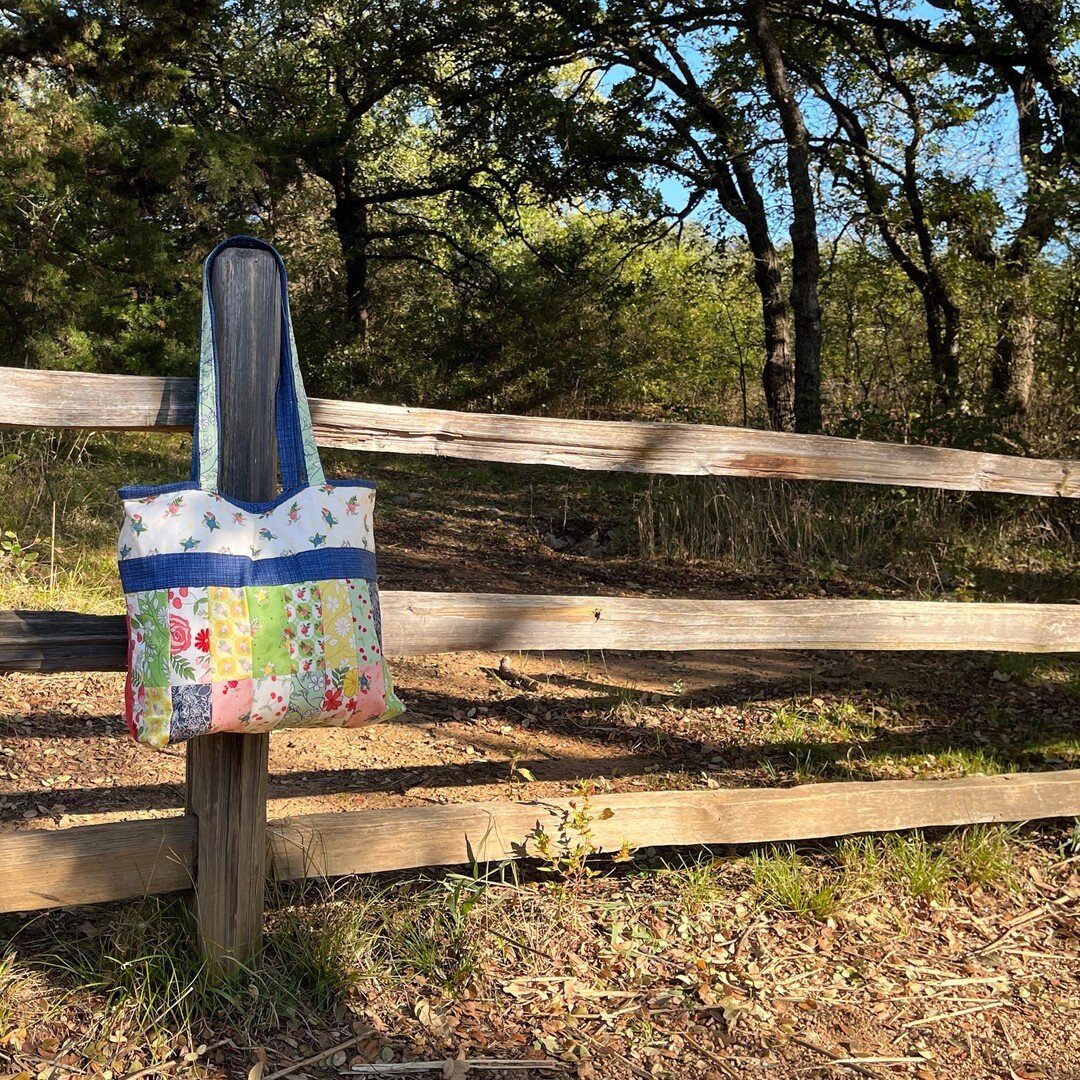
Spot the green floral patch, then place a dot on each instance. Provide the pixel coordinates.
(150, 623)
(270, 653)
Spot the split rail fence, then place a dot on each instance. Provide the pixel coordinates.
(93, 863)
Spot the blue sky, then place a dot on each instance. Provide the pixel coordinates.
(983, 151)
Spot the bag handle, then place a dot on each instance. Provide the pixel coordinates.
(298, 456)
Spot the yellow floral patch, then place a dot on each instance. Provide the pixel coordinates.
(230, 634)
(339, 639)
(156, 716)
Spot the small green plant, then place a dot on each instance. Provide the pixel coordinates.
(567, 853)
(785, 880)
(970, 761)
(432, 936)
(625, 703)
(1069, 848)
(21, 558)
(810, 765)
(912, 862)
(697, 883)
(519, 771)
(860, 858)
(983, 855)
(10, 977)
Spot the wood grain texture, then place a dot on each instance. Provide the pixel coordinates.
(70, 399)
(424, 622)
(226, 773)
(369, 841)
(419, 623)
(89, 864)
(50, 641)
(92, 863)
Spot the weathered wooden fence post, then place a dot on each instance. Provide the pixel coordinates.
(226, 773)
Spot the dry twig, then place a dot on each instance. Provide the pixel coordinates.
(836, 1058)
(321, 1056)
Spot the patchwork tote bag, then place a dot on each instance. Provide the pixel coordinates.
(251, 616)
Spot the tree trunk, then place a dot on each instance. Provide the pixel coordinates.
(1014, 360)
(351, 221)
(943, 338)
(805, 252)
(777, 376)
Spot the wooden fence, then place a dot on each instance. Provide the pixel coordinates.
(104, 862)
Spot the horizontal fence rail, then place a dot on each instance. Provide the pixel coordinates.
(92, 863)
(418, 623)
(87, 864)
(64, 399)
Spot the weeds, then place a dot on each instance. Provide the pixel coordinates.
(820, 882)
(967, 761)
(697, 884)
(61, 486)
(428, 941)
(919, 868)
(413, 947)
(11, 981)
(983, 854)
(1069, 848)
(933, 542)
(143, 966)
(786, 880)
(568, 850)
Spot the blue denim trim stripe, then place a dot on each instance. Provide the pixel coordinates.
(195, 569)
(140, 491)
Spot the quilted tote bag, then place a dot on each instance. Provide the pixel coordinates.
(251, 616)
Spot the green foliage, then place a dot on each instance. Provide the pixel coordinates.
(787, 881)
(480, 206)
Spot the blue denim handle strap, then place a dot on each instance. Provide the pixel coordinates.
(297, 453)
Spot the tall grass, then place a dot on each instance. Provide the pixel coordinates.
(60, 516)
(927, 541)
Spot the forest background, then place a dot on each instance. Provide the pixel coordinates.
(851, 216)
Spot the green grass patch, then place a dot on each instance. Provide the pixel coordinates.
(922, 870)
(139, 963)
(934, 543)
(821, 880)
(985, 854)
(60, 515)
(786, 880)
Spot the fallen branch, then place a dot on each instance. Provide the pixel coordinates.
(952, 1016)
(450, 1067)
(148, 1070)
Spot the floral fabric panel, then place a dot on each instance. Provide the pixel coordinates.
(253, 659)
(230, 635)
(373, 677)
(189, 635)
(192, 520)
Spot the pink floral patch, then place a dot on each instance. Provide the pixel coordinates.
(370, 702)
(179, 634)
(230, 705)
